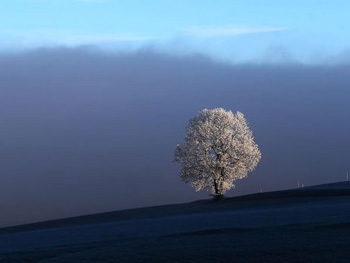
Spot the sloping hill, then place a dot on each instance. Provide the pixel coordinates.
(284, 197)
(302, 225)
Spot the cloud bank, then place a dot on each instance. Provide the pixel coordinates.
(85, 131)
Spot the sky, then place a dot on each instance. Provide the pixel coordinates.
(310, 31)
(95, 96)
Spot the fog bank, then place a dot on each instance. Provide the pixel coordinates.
(85, 131)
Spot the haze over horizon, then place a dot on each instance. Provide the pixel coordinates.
(91, 109)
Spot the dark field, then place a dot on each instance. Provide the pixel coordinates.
(302, 225)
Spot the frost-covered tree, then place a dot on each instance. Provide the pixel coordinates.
(219, 149)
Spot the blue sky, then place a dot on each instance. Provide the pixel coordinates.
(307, 31)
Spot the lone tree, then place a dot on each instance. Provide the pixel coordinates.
(219, 149)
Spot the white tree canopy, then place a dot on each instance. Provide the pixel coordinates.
(219, 149)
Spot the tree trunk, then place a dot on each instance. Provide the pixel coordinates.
(218, 194)
(216, 187)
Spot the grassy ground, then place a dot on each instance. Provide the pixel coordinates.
(307, 225)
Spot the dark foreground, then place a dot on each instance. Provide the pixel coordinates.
(304, 225)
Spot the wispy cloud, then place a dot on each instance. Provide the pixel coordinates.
(94, 1)
(48, 38)
(96, 39)
(44, 37)
(227, 30)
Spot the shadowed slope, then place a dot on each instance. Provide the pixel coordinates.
(259, 200)
(301, 225)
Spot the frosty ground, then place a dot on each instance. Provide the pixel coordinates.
(301, 225)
